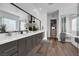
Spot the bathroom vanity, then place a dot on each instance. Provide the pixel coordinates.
(20, 45)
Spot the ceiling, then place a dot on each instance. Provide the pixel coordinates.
(37, 6)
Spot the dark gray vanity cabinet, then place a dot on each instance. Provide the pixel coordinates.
(38, 38)
(25, 45)
(20, 47)
(33, 41)
(8, 49)
(28, 45)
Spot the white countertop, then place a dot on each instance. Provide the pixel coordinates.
(7, 39)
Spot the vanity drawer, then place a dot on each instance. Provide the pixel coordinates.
(10, 52)
(8, 48)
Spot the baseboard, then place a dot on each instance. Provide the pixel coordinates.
(74, 46)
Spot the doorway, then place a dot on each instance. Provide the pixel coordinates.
(53, 28)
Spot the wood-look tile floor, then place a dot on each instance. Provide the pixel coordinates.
(55, 48)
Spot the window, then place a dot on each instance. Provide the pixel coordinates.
(10, 24)
(77, 26)
(63, 24)
(22, 25)
(74, 24)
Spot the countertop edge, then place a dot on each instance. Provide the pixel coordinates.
(14, 38)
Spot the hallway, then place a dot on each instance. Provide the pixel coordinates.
(54, 48)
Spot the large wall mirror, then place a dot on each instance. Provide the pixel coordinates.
(10, 22)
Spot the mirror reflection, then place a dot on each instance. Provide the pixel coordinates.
(13, 23)
(8, 22)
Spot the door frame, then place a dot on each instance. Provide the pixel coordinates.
(50, 28)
